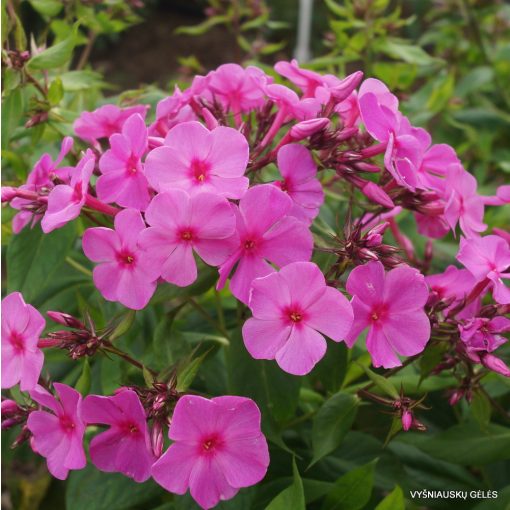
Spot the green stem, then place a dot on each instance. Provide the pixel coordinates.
(200, 309)
(78, 266)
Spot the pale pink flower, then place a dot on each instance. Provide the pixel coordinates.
(217, 449)
(41, 178)
(125, 447)
(195, 159)
(123, 273)
(265, 232)
(58, 435)
(123, 180)
(181, 225)
(104, 121)
(22, 360)
(488, 258)
(391, 306)
(66, 200)
(300, 182)
(292, 310)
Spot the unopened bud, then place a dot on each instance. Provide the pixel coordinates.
(407, 419)
(8, 193)
(9, 407)
(377, 195)
(65, 319)
(210, 120)
(307, 128)
(345, 88)
(495, 364)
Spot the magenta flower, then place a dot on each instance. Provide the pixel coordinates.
(217, 448)
(104, 121)
(464, 205)
(488, 258)
(40, 179)
(300, 181)
(66, 200)
(265, 232)
(195, 159)
(123, 273)
(292, 310)
(58, 435)
(179, 225)
(123, 180)
(171, 111)
(483, 334)
(22, 360)
(125, 447)
(391, 306)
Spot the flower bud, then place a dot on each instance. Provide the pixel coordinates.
(345, 88)
(65, 319)
(377, 195)
(407, 419)
(9, 407)
(8, 193)
(210, 120)
(495, 364)
(307, 128)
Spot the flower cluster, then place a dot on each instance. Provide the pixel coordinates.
(233, 173)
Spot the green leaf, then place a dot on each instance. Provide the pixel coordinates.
(55, 92)
(466, 444)
(382, 383)
(124, 325)
(12, 113)
(81, 80)
(48, 8)
(186, 374)
(20, 38)
(90, 488)
(293, 497)
(203, 27)
(83, 383)
(353, 490)
(34, 259)
(332, 423)
(55, 56)
(402, 50)
(393, 501)
(481, 408)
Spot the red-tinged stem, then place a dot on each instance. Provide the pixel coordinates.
(277, 123)
(99, 206)
(48, 342)
(401, 239)
(30, 195)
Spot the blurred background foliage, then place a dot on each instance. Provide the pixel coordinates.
(449, 63)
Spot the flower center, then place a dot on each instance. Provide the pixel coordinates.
(209, 444)
(295, 316)
(378, 312)
(284, 186)
(199, 170)
(186, 235)
(249, 244)
(67, 423)
(17, 341)
(126, 258)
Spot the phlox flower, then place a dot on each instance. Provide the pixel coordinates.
(290, 106)
(39, 179)
(264, 232)
(58, 435)
(123, 273)
(488, 258)
(123, 180)
(195, 159)
(238, 90)
(464, 205)
(300, 182)
(483, 334)
(125, 447)
(217, 448)
(170, 111)
(391, 306)
(292, 310)
(180, 225)
(104, 121)
(22, 360)
(66, 200)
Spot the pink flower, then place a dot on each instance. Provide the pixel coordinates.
(290, 106)
(482, 334)
(66, 200)
(488, 257)
(104, 121)
(391, 307)
(179, 225)
(300, 181)
(40, 179)
(123, 274)
(291, 309)
(265, 232)
(195, 159)
(125, 447)
(239, 90)
(123, 180)
(22, 360)
(58, 435)
(171, 111)
(217, 448)
(464, 205)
